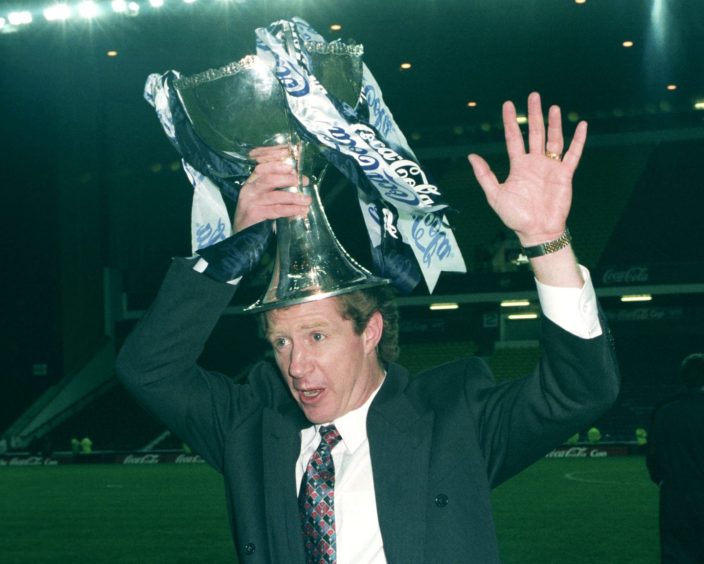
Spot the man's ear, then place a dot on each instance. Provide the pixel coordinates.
(373, 331)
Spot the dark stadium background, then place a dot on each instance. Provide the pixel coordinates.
(94, 204)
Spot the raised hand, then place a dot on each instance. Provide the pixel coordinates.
(261, 197)
(535, 199)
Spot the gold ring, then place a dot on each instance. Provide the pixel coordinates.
(553, 156)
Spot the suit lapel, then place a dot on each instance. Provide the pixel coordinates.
(399, 442)
(281, 438)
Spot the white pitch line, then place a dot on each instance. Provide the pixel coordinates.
(573, 476)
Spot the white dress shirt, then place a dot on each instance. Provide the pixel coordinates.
(356, 522)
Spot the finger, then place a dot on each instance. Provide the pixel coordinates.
(268, 182)
(574, 153)
(485, 177)
(281, 198)
(271, 189)
(536, 125)
(282, 181)
(265, 154)
(272, 206)
(274, 167)
(273, 174)
(555, 143)
(278, 211)
(512, 133)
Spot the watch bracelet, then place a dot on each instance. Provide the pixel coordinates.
(549, 247)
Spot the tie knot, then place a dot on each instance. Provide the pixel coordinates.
(330, 435)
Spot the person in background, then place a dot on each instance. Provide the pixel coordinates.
(86, 446)
(641, 437)
(594, 436)
(675, 462)
(573, 440)
(75, 448)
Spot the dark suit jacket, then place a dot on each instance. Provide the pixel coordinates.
(438, 443)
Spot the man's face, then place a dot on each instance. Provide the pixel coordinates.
(329, 369)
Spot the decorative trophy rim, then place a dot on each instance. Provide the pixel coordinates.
(334, 48)
(250, 61)
(247, 62)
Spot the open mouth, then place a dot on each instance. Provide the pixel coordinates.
(311, 394)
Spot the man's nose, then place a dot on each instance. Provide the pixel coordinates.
(299, 363)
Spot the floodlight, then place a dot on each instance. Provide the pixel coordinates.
(19, 18)
(119, 6)
(637, 298)
(156, 3)
(88, 9)
(443, 306)
(519, 316)
(514, 303)
(57, 12)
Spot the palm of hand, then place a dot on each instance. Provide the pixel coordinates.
(535, 197)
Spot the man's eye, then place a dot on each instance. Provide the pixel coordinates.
(279, 343)
(318, 337)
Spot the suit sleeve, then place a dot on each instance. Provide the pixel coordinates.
(158, 363)
(520, 421)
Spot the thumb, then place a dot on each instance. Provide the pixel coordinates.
(485, 177)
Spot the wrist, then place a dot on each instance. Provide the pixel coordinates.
(549, 246)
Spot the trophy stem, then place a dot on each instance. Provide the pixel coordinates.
(310, 263)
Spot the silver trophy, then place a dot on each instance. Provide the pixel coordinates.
(241, 106)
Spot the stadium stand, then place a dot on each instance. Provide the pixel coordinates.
(114, 421)
(419, 356)
(513, 359)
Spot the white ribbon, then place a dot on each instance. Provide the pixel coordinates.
(399, 181)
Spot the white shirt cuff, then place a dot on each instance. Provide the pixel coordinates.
(202, 264)
(572, 309)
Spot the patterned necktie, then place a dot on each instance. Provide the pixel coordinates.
(316, 500)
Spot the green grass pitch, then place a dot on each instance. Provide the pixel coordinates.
(576, 511)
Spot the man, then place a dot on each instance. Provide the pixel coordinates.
(676, 463)
(416, 461)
